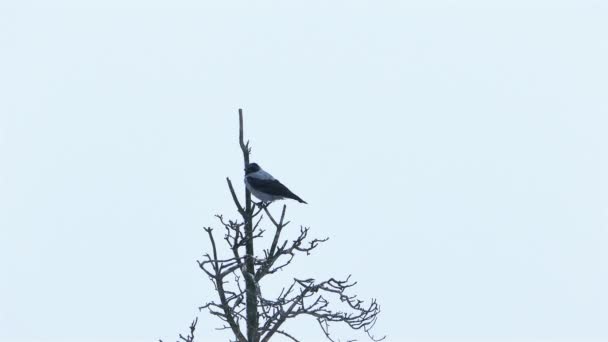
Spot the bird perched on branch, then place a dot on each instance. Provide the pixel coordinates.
(265, 187)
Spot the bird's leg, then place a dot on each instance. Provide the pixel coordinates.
(262, 204)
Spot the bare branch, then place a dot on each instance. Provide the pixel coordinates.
(228, 313)
(235, 199)
(190, 336)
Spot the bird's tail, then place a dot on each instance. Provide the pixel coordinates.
(297, 198)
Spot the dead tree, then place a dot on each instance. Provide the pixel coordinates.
(241, 304)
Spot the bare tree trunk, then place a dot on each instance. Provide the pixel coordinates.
(252, 312)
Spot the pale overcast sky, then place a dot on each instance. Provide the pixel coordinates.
(455, 152)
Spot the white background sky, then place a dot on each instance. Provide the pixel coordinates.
(455, 152)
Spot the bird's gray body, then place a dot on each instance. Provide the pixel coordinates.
(265, 187)
(262, 196)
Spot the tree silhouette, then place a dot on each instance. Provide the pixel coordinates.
(241, 304)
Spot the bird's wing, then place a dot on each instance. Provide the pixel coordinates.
(272, 187)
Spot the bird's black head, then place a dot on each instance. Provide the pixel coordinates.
(252, 167)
